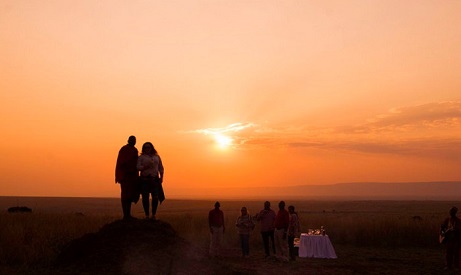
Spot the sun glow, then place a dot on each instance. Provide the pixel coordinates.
(223, 141)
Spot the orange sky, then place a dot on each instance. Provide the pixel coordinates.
(306, 92)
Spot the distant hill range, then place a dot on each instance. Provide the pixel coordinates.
(344, 191)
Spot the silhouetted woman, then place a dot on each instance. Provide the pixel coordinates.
(245, 225)
(294, 230)
(151, 178)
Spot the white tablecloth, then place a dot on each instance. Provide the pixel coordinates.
(316, 246)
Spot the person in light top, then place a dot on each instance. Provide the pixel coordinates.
(294, 230)
(245, 226)
(281, 223)
(151, 177)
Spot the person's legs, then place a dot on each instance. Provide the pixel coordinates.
(154, 189)
(145, 197)
(449, 255)
(146, 191)
(215, 242)
(278, 240)
(145, 203)
(291, 247)
(128, 208)
(125, 214)
(265, 236)
(456, 256)
(212, 251)
(154, 205)
(284, 247)
(246, 245)
(125, 199)
(281, 245)
(220, 235)
(271, 237)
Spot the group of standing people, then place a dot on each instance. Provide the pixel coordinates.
(281, 229)
(139, 175)
(278, 231)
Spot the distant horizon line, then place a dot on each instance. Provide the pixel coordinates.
(344, 194)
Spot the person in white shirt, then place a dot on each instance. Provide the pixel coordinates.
(151, 178)
(294, 230)
(245, 225)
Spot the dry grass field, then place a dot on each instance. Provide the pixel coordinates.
(370, 237)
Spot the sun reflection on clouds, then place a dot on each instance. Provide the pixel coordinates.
(225, 136)
(407, 130)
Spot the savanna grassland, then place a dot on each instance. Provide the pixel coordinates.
(370, 237)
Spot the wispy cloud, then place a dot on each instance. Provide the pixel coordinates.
(429, 147)
(431, 130)
(232, 128)
(428, 116)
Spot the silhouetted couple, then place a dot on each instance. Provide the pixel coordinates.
(139, 175)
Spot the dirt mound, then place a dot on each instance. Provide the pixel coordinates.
(134, 247)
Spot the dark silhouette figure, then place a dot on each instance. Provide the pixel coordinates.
(281, 223)
(151, 177)
(217, 228)
(245, 226)
(127, 175)
(451, 230)
(267, 217)
(294, 230)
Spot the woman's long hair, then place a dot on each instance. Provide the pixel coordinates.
(291, 207)
(144, 148)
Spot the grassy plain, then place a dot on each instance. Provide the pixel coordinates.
(370, 237)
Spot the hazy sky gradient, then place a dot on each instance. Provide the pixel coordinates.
(307, 92)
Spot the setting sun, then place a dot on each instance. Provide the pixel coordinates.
(223, 141)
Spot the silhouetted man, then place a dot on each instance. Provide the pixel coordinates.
(217, 228)
(267, 217)
(126, 174)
